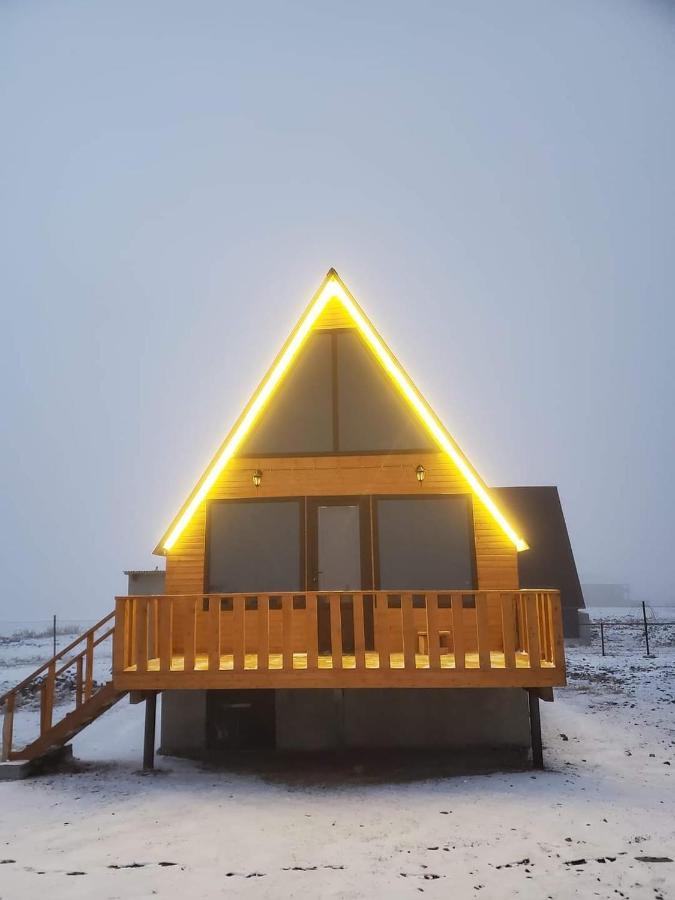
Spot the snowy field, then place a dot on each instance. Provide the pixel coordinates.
(600, 822)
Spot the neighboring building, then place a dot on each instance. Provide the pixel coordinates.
(341, 576)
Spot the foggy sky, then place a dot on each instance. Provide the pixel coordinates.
(494, 181)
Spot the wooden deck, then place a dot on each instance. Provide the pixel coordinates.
(376, 639)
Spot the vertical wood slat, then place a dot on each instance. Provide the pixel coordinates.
(382, 630)
(213, 641)
(263, 632)
(155, 638)
(189, 633)
(432, 632)
(509, 630)
(359, 632)
(557, 642)
(141, 633)
(532, 622)
(120, 634)
(335, 631)
(312, 636)
(287, 631)
(483, 630)
(131, 633)
(458, 642)
(238, 633)
(7, 728)
(89, 667)
(548, 626)
(47, 699)
(409, 634)
(79, 685)
(163, 630)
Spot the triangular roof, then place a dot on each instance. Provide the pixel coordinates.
(333, 291)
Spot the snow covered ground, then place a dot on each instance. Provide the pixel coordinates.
(600, 822)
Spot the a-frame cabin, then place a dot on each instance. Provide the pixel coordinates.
(341, 574)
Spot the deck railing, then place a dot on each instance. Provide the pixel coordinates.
(376, 638)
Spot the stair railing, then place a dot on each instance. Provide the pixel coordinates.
(78, 654)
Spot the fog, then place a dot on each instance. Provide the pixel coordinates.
(493, 181)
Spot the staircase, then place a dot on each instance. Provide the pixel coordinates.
(69, 697)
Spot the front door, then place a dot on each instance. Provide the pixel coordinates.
(339, 559)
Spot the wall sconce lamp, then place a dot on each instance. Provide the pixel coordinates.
(257, 478)
(420, 472)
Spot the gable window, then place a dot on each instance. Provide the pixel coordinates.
(425, 543)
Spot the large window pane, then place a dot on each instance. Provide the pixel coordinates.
(372, 415)
(254, 546)
(425, 543)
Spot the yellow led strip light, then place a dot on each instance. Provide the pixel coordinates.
(334, 289)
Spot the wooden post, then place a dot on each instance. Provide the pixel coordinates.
(149, 741)
(602, 637)
(7, 728)
(644, 619)
(535, 729)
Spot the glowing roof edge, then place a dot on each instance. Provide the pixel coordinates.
(331, 288)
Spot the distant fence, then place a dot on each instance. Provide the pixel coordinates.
(55, 629)
(628, 634)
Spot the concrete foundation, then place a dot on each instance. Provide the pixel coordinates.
(484, 719)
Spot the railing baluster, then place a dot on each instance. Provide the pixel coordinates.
(408, 628)
(381, 617)
(47, 699)
(189, 633)
(433, 645)
(359, 632)
(141, 633)
(483, 631)
(238, 633)
(287, 631)
(78, 682)
(163, 626)
(533, 647)
(312, 636)
(89, 667)
(458, 642)
(557, 642)
(120, 634)
(263, 632)
(509, 630)
(7, 728)
(335, 631)
(213, 642)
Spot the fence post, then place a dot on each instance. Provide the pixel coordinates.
(602, 636)
(644, 619)
(54, 634)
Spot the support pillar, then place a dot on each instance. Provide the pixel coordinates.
(149, 742)
(535, 729)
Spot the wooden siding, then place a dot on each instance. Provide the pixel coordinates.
(334, 315)
(496, 557)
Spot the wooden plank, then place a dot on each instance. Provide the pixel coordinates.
(458, 630)
(532, 623)
(287, 631)
(79, 683)
(120, 651)
(238, 633)
(189, 633)
(312, 636)
(382, 630)
(432, 632)
(336, 631)
(141, 633)
(7, 727)
(213, 636)
(47, 699)
(409, 633)
(164, 633)
(483, 630)
(557, 641)
(359, 632)
(508, 601)
(89, 666)
(263, 632)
